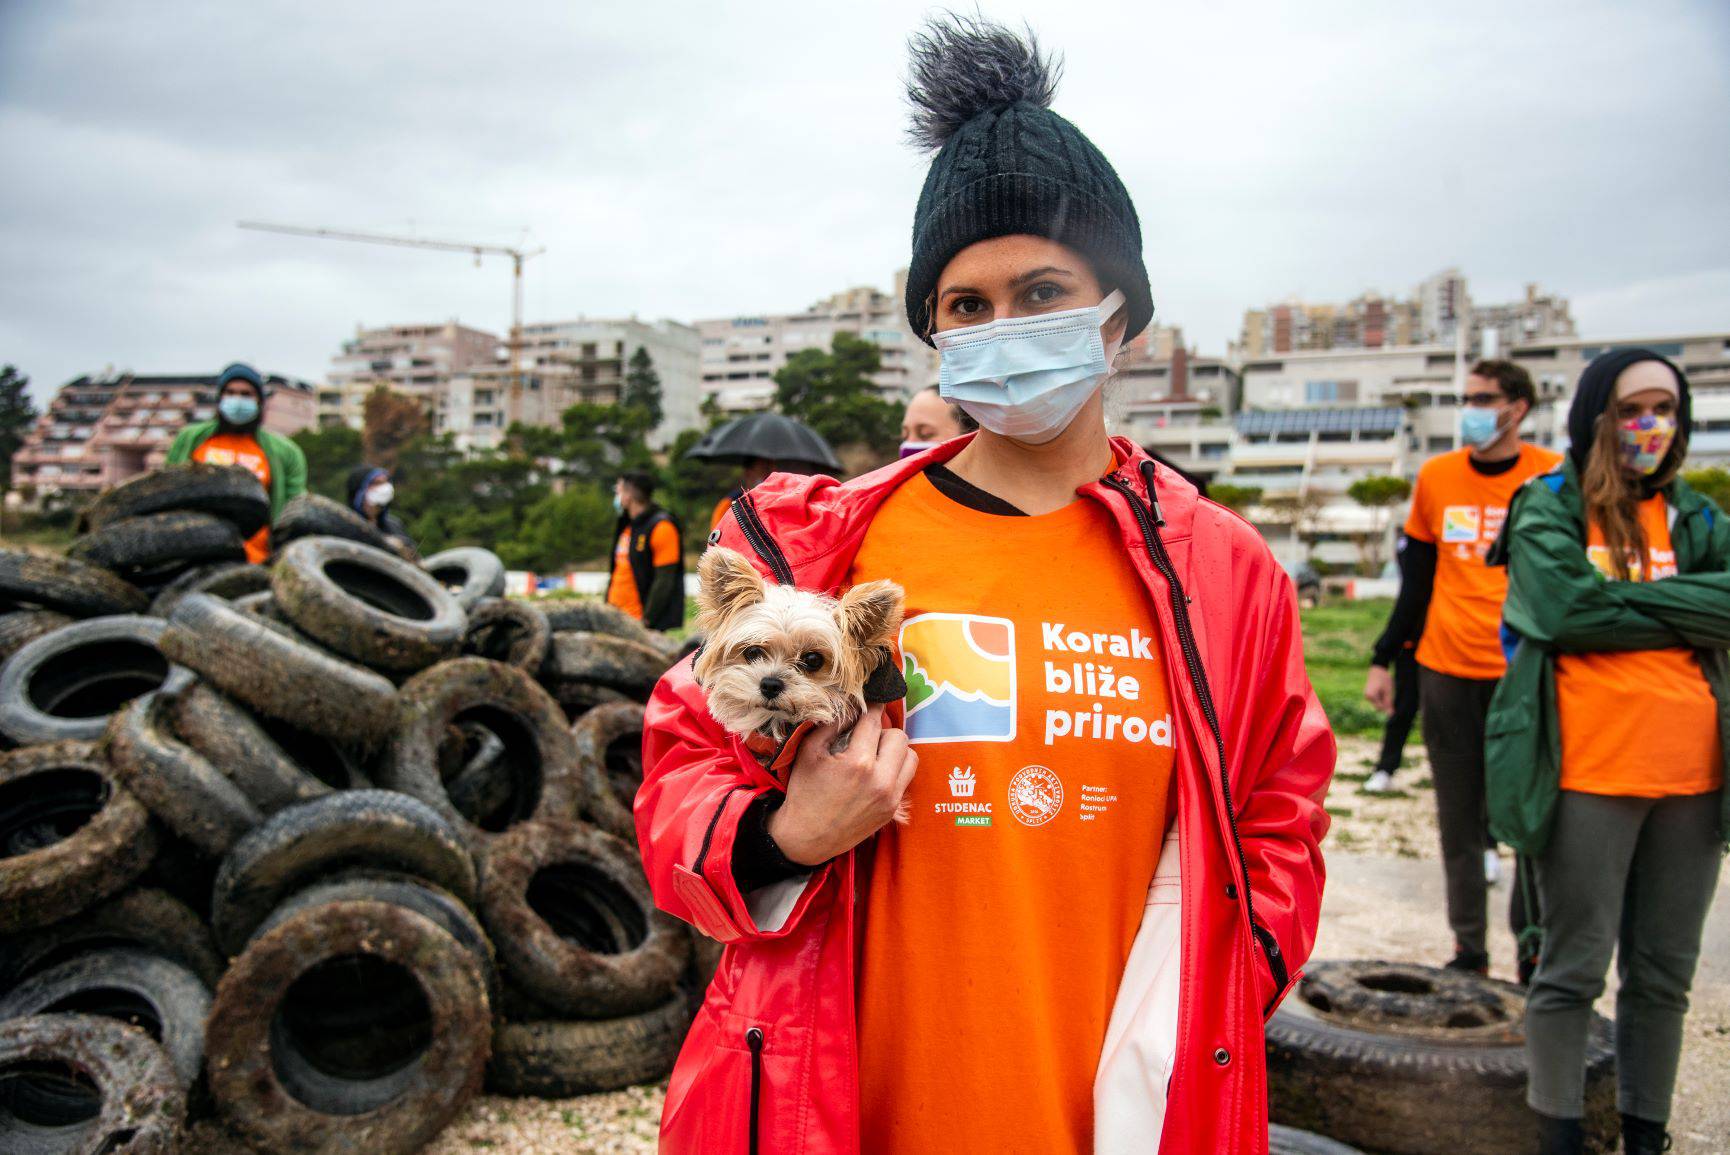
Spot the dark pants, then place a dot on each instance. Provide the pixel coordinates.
(1399, 724)
(1633, 876)
(1454, 711)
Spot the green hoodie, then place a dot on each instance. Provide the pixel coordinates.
(1558, 603)
(287, 462)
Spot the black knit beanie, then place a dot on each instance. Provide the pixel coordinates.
(1597, 388)
(1006, 165)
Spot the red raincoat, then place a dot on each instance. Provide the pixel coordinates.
(773, 1049)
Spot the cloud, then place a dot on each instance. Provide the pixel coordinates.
(688, 159)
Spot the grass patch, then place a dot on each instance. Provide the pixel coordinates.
(1340, 811)
(1337, 641)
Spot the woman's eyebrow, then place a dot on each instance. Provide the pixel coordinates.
(1017, 282)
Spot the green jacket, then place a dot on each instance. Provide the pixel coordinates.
(287, 462)
(1558, 603)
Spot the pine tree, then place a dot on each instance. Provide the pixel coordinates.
(17, 413)
(643, 387)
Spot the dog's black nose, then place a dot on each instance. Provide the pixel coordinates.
(772, 687)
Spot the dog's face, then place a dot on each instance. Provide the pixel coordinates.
(774, 656)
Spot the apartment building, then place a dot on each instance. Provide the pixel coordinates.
(741, 354)
(99, 431)
(1175, 402)
(564, 363)
(419, 360)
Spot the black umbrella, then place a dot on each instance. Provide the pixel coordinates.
(780, 439)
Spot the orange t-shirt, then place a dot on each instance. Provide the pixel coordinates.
(240, 449)
(996, 924)
(1460, 511)
(1638, 723)
(663, 550)
(720, 511)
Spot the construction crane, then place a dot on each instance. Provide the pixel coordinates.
(517, 256)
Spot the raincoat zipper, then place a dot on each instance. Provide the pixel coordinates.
(754, 1040)
(745, 511)
(1150, 521)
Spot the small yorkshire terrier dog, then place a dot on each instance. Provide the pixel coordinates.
(774, 656)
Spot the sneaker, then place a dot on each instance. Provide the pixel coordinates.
(1475, 961)
(1492, 868)
(1380, 782)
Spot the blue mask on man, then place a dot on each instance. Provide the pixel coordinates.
(1479, 428)
(238, 410)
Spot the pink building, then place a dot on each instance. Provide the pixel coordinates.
(98, 433)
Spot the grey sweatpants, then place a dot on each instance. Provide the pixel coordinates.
(1634, 876)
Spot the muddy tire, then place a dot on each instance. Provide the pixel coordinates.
(366, 604)
(229, 492)
(376, 829)
(338, 765)
(1414, 1060)
(67, 684)
(571, 916)
(317, 1044)
(507, 631)
(21, 627)
(593, 616)
(276, 675)
(310, 515)
(540, 754)
(424, 898)
(470, 574)
(610, 750)
(86, 1085)
(141, 918)
(227, 580)
(603, 659)
(70, 834)
(183, 790)
(158, 543)
(578, 698)
(554, 1060)
(162, 998)
(73, 588)
(1288, 1141)
(229, 737)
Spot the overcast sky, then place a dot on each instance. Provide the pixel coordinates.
(698, 159)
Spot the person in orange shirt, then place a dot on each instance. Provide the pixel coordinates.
(236, 437)
(648, 579)
(1617, 573)
(1450, 597)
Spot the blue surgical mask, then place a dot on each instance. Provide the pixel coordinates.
(618, 505)
(1480, 427)
(1027, 377)
(238, 410)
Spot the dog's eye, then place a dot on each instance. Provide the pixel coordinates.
(754, 653)
(811, 660)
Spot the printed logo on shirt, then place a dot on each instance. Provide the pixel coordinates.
(1035, 795)
(961, 782)
(960, 671)
(961, 785)
(1661, 563)
(1460, 523)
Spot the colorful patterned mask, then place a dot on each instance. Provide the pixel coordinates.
(1645, 442)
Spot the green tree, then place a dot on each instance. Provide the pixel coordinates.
(833, 393)
(330, 453)
(642, 386)
(1376, 494)
(1236, 498)
(17, 414)
(560, 528)
(1713, 482)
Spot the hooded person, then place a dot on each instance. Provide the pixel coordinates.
(235, 436)
(648, 577)
(1606, 758)
(371, 494)
(1111, 871)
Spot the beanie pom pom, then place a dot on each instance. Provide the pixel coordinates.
(961, 66)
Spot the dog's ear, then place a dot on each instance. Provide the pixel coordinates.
(726, 583)
(870, 614)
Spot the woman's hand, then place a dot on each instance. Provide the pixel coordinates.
(1379, 689)
(836, 800)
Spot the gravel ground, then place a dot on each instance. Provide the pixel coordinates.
(1383, 901)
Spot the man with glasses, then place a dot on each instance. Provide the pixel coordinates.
(1454, 601)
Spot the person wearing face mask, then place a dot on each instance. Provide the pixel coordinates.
(1453, 600)
(648, 579)
(234, 437)
(930, 419)
(371, 494)
(1120, 760)
(1607, 748)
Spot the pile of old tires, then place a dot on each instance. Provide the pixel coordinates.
(1414, 1060)
(318, 848)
